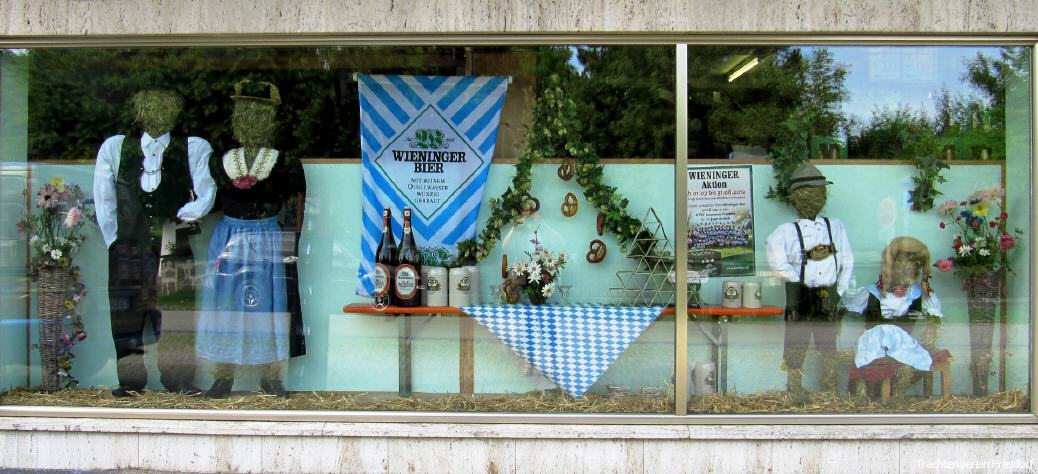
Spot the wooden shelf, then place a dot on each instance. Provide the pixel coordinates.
(718, 310)
(366, 308)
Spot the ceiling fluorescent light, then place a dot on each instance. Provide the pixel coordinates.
(742, 69)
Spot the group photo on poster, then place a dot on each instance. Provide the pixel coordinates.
(720, 220)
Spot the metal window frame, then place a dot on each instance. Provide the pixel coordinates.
(681, 43)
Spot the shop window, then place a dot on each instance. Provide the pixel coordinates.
(890, 202)
(285, 160)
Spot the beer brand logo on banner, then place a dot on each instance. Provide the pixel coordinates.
(426, 143)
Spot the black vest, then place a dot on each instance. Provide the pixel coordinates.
(141, 213)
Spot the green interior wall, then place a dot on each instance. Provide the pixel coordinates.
(358, 352)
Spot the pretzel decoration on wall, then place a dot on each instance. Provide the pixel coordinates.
(596, 251)
(504, 266)
(570, 205)
(531, 205)
(567, 169)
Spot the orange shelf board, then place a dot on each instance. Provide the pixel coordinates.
(365, 308)
(717, 310)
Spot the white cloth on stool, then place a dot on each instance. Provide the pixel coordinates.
(890, 340)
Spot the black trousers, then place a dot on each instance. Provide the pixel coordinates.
(810, 312)
(132, 293)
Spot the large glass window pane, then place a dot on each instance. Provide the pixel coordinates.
(254, 227)
(890, 202)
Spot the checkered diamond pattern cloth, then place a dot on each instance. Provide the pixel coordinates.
(571, 345)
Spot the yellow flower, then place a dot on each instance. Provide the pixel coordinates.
(58, 184)
(981, 209)
(69, 304)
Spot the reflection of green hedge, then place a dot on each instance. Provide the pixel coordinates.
(77, 97)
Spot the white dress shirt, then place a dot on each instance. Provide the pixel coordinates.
(784, 254)
(107, 169)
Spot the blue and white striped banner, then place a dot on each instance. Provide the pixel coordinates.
(426, 143)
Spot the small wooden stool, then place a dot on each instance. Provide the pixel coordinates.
(943, 368)
(882, 367)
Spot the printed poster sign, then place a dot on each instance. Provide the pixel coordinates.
(720, 220)
(426, 144)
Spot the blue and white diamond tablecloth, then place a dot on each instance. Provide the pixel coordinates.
(571, 345)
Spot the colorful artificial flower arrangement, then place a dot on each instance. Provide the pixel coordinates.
(55, 231)
(537, 278)
(74, 314)
(982, 238)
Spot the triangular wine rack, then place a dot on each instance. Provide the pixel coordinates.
(649, 282)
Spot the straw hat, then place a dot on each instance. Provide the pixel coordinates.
(807, 175)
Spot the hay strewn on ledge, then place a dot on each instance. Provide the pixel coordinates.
(534, 402)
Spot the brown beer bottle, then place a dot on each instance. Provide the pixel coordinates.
(385, 262)
(409, 267)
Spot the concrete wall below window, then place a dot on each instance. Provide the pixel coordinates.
(82, 17)
(222, 446)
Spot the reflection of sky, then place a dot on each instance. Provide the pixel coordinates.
(574, 61)
(881, 77)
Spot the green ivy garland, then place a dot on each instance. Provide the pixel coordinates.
(552, 134)
(929, 174)
(790, 150)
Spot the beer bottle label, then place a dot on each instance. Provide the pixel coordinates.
(381, 279)
(406, 281)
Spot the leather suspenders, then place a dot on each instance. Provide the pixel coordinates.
(803, 251)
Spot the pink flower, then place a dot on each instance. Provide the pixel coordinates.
(80, 335)
(989, 195)
(942, 225)
(245, 182)
(947, 207)
(46, 198)
(944, 264)
(74, 215)
(1006, 242)
(65, 339)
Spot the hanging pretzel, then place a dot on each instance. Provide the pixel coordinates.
(504, 266)
(567, 169)
(596, 251)
(570, 205)
(600, 224)
(531, 205)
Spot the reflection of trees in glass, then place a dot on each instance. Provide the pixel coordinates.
(626, 97)
(786, 84)
(974, 125)
(78, 97)
(623, 94)
(889, 134)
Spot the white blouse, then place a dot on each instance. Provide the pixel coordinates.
(890, 305)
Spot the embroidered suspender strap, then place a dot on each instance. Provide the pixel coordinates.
(803, 258)
(829, 228)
